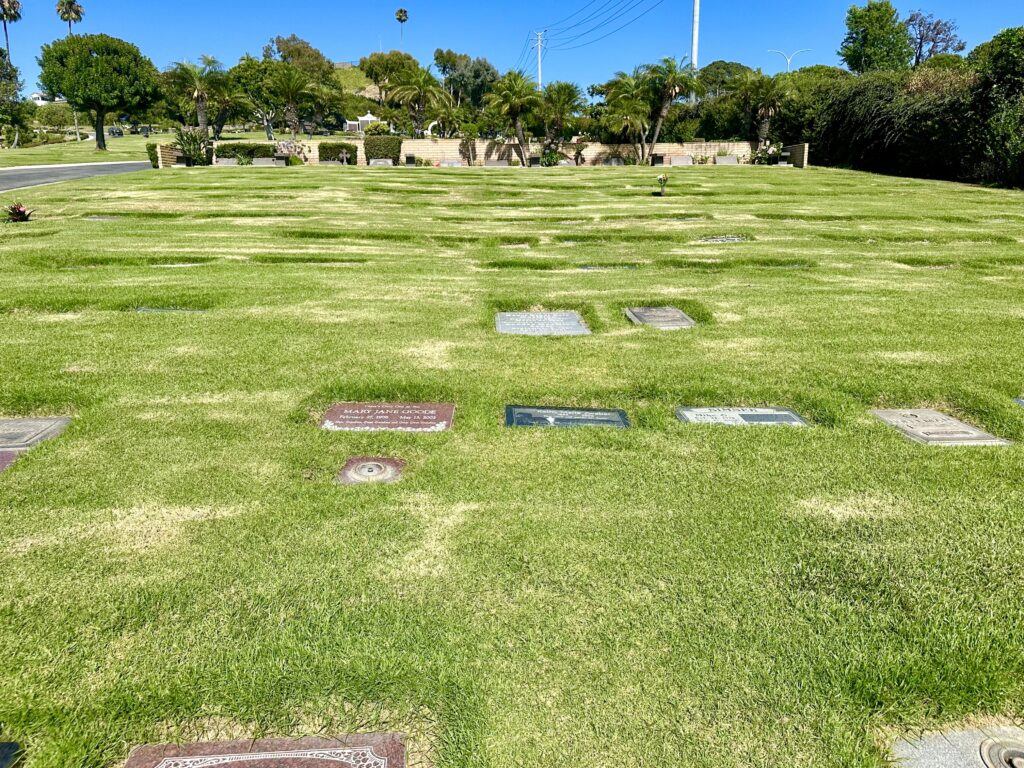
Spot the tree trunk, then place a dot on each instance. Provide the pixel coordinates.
(763, 128)
(101, 140)
(524, 148)
(268, 126)
(78, 134)
(7, 41)
(219, 122)
(658, 123)
(202, 118)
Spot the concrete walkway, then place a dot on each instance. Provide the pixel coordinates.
(37, 175)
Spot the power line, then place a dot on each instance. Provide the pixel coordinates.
(618, 14)
(609, 34)
(601, 10)
(581, 10)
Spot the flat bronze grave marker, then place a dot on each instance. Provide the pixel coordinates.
(723, 239)
(741, 417)
(924, 425)
(526, 416)
(359, 751)
(389, 417)
(8, 750)
(662, 318)
(562, 323)
(371, 469)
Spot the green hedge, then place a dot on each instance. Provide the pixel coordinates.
(154, 157)
(331, 150)
(246, 150)
(382, 147)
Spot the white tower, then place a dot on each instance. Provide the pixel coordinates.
(694, 49)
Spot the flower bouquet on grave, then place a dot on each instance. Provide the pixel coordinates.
(662, 183)
(17, 213)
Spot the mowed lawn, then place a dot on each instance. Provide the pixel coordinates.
(181, 564)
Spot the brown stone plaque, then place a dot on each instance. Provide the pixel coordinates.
(371, 469)
(384, 750)
(389, 417)
(6, 459)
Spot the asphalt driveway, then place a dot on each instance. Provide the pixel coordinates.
(33, 176)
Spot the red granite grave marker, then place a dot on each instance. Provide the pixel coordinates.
(376, 750)
(389, 417)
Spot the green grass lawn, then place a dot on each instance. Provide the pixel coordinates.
(181, 564)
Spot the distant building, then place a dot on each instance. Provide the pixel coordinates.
(41, 99)
(360, 125)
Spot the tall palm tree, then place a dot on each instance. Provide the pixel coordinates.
(629, 98)
(401, 16)
(419, 91)
(670, 80)
(10, 12)
(290, 87)
(762, 97)
(199, 81)
(71, 12)
(562, 102)
(515, 97)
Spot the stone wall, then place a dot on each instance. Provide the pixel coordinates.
(479, 151)
(799, 155)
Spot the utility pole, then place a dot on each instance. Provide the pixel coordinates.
(789, 59)
(695, 47)
(540, 45)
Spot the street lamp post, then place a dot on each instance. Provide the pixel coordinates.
(789, 59)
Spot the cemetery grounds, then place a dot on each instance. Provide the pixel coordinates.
(180, 564)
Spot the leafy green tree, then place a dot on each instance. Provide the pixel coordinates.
(1000, 62)
(54, 116)
(630, 100)
(418, 91)
(876, 39)
(809, 88)
(447, 61)
(716, 78)
(562, 103)
(386, 68)
(253, 78)
(199, 82)
(515, 98)
(471, 81)
(70, 12)
(10, 12)
(670, 80)
(99, 73)
(303, 56)
(10, 88)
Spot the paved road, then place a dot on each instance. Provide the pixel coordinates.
(18, 178)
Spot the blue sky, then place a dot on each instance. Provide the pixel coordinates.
(740, 30)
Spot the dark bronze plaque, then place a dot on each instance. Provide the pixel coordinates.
(526, 416)
(361, 751)
(371, 469)
(389, 417)
(8, 750)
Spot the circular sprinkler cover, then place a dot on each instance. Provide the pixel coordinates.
(370, 469)
(1002, 754)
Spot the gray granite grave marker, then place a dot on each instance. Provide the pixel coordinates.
(931, 427)
(681, 160)
(726, 160)
(389, 417)
(527, 416)
(563, 323)
(662, 318)
(371, 469)
(358, 751)
(17, 435)
(987, 747)
(721, 239)
(741, 417)
(381, 162)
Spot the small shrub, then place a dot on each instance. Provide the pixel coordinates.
(295, 160)
(767, 155)
(382, 147)
(16, 213)
(154, 156)
(378, 129)
(193, 145)
(550, 159)
(248, 151)
(333, 150)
